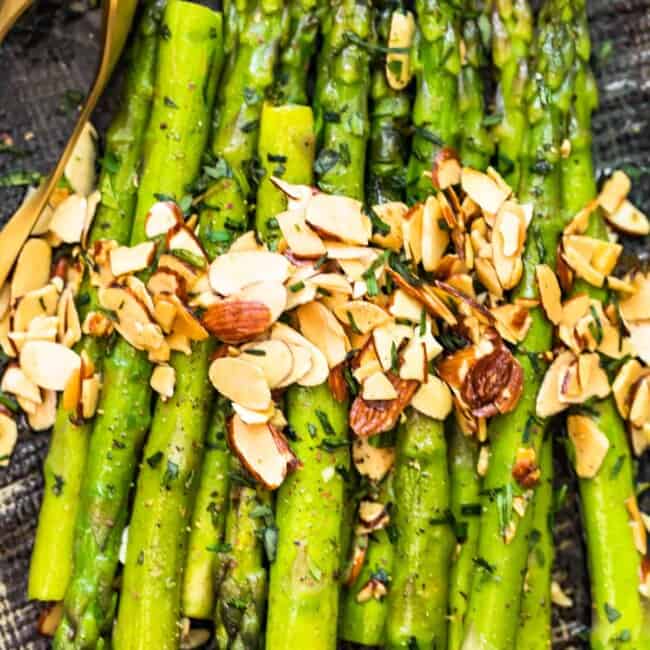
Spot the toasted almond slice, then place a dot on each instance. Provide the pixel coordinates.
(590, 445)
(392, 214)
(263, 451)
(433, 398)
(637, 524)
(618, 284)
(131, 259)
(302, 240)
(412, 233)
(163, 381)
(582, 267)
(161, 218)
(640, 407)
(414, 361)
(32, 268)
(434, 237)
(92, 203)
(5, 297)
(332, 282)
(626, 378)
(90, 387)
(48, 365)
(271, 294)
(370, 461)
(241, 382)
(575, 388)
(69, 218)
(578, 225)
(339, 217)
(39, 302)
(488, 277)
(97, 324)
(246, 242)
(400, 39)
(231, 272)
(80, 168)
(614, 191)
(166, 281)
(637, 306)
(446, 169)
(373, 516)
(276, 360)
(72, 333)
(356, 562)
(299, 195)
(8, 437)
(187, 324)
(548, 398)
(378, 387)
(512, 322)
(183, 269)
(178, 343)
(366, 369)
(319, 326)
(387, 339)
(302, 365)
(165, 313)
(361, 315)
(249, 416)
(550, 293)
(181, 238)
(629, 219)
(404, 307)
(16, 382)
(44, 415)
(483, 190)
(318, 370)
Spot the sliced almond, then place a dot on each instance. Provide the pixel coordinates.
(319, 326)
(181, 238)
(590, 445)
(8, 437)
(483, 190)
(629, 219)
(275, 359)
(5, 298)
(640, 406)
(48, 365)
(400, 39)
(262, 450)
(32, 268)
(435, 238)
(373, 462)
(433, 398)
(446, 169)
(89, 398)
(163, 381)
(69, 218)
(80, 168)
(44, 415)
(36, 303)
(189, 273)
(178, 343)
(319, 369)
(70, 326)
(626, 378)
(414, 361)
(97, 324)
(231, 272)
(16, 382)
(254, 417)
(339, 217)
(299, 195)
(387, 339)
(392, 214)
(640, 339)
(637, 524)
(378, 387)
(302, 364)
(512, 322)
(165, 313)
(356, 562)
(488, 277)
(131, 259)
(246, 242)
(404, 307)
(637, 306)
(362, 316)
(161, 218)
(373, 516)
(614, 191)
(301, 239)
(412, 233)
(550, 293)
(332, 282)
(241, 382)
(548, 398)
(272, 294)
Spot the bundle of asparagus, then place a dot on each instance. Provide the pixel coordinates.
(336, 425)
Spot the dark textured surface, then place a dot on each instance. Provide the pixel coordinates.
(51, 55)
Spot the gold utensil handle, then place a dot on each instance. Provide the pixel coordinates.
(10, 12)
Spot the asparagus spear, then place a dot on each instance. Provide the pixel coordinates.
(512, 33)
(498, 577)
(476, 144)
(176, 137)
(417, 597)
(535, 620)
(208, 519)
(254, 46)
(304, 594)
(435, 112)
(614, 563)
(390, 113)
(465, 507)
(51, 563)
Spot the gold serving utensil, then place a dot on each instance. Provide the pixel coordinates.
(117, 18)
(10, 12)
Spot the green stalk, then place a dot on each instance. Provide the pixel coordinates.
(51, 563)
(253, 34)
(364, 622)
(614, 563)
(241, 576)
(512, 35)
(435, 112)
(389, 119)
(500, 565)
(465, 507)
(476, 144)
(176, 137)
(535, 619)
(208, 519)
(417, 596)
(152, 582)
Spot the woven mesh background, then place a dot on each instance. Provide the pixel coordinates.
(51, 55)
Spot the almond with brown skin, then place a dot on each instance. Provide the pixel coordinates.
(370, 418)
(337, 383)
(237, 321)
(355, 564)
(446, 169)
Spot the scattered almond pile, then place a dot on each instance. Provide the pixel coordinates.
(394, 306)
